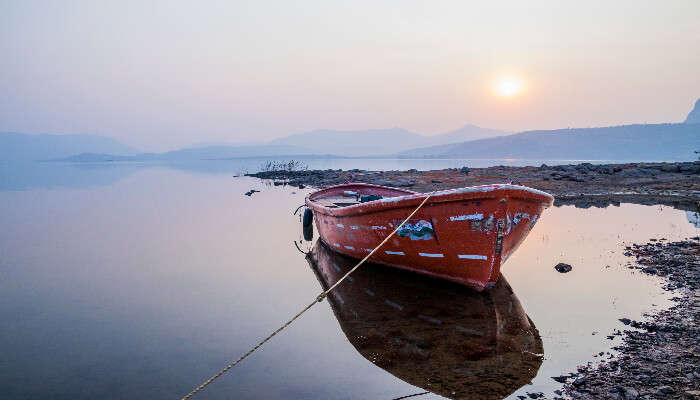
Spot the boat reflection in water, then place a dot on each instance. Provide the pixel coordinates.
(434, 334)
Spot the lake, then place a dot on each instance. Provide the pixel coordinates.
(141, 281)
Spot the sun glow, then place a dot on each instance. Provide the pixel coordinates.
(509, 86)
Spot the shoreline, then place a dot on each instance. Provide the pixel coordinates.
(585, 185)
(660, 356)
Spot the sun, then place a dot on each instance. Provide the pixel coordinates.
(509, 86)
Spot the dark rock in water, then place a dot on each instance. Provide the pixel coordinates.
(563, 268)
(250, 192)
(561, 379)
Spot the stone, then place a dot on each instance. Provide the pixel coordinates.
(563, 268)
(629, 393)
(665, 390)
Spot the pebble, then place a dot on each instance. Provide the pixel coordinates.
(563, 268)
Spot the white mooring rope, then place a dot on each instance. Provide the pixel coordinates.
(318, 299)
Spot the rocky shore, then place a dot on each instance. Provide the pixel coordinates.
(583, 185)
(659, 358)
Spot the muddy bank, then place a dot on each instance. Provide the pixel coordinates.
(660, 357)
(582, 185)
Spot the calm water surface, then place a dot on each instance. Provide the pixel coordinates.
(144, 284)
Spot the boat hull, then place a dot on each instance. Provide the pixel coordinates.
(462, 235)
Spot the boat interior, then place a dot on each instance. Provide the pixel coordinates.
(352, 194)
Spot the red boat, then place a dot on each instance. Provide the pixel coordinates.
(462, 235)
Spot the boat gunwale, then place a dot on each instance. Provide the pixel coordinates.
(413, 198)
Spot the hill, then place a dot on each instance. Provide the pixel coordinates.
(195, 153)
(694, 115)
(26, 147)
(627, 142)
(372, 142)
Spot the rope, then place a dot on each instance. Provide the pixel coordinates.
(318, 299)
(410, 395)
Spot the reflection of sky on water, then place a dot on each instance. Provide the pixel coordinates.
(144, 287)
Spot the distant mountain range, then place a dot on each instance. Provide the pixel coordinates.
(373, 142)
(627, 142)
(631, 142)
(22, 147)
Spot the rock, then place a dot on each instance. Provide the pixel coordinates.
(650, 270)
(664, 390)
(580, 381)
(606, 169)
(629, 393)
(563, 268)
(250, 192)
(689, 168)
(638, 172)
(585, 167)
(670, 168)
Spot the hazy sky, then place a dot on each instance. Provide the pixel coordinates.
(157, 75)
